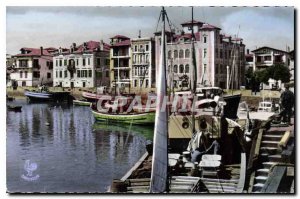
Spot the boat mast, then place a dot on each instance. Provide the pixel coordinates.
(194, 75)
(159, 175)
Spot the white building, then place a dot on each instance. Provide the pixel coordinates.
(266, 56)
(143, 70)
(86, 65)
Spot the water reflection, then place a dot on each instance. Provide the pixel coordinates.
(73, 153)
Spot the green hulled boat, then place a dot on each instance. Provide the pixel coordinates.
(147, 118)
(81, 103)
(145, 131)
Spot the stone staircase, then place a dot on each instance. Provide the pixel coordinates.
(269, 156)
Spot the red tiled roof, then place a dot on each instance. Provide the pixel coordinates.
(190, 22)
(119, 37)
(123, 43)
(208, 26)
(91, 46)
(33, 52)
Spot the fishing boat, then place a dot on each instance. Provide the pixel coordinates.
(14, 108)
(81, 102)
(95, 96)
(146, 118)
(43, 94)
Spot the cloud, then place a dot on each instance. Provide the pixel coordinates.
(61, 25)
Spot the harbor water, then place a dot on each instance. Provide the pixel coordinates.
(58, 148)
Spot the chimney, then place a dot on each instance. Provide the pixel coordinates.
(139, 33)
(101, 45)
(41, 50)
(248, 52)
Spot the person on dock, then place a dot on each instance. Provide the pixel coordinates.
(287, 103)
(197, 145)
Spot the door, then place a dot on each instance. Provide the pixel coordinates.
(72, 85)
(83, 84)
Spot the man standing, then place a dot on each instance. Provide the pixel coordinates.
(287, 103)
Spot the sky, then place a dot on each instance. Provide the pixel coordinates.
(60, 26)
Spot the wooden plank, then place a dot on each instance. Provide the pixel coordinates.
(139, 180)
(241, 183)
(139, 162)
(273, 182)
(219, 180)
(290, 171)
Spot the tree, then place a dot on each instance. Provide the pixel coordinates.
(276, 72)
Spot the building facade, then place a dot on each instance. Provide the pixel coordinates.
(33, 67)
(267, 56)
(213, 53)
(142, 56)
(120, 62)
(86, 65)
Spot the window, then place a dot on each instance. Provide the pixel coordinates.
(175, 54)
(83, 61)
(56, 74)
(225, 54)
(60, 74)
(56, 62)
(187, 68)
(107, 73)
(221, 54)
(88, 61)
(135, 48)
(65, 62)
(204, 39)
(147, 47)
(135, 83)
(147, 83)
(35, 63)
(187, 53)
(98, 74)
(90, 73)
(175, 69)
(23, 63)
(76, 62)
(204, 52)
(267, 58)
(66, 73)
(217, 54)
(181, 53)
(50, 65)
(21, 74)
(181, 69)
(26, 74)
(48, 75)
(36, 74)
(98, 62)
(217, 68)
(169, 54)
(78, 73)
(107, 62)
(141, 83)
(147, 59)
(60, 62)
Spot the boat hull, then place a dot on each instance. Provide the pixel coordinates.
(81, 103)
(137, 118)
(47, 96)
